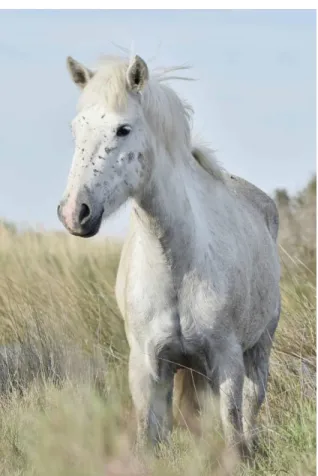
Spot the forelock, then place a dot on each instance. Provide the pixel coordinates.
(108, 85)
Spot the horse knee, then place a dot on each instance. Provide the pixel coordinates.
(139, 384)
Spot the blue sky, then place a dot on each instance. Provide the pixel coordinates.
(254, 100)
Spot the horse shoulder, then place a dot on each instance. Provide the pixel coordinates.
(259, 200)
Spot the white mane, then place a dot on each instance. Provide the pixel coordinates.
(108, 85)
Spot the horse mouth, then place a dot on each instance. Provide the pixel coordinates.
(84, 235)
(91, 230)
(87, 230)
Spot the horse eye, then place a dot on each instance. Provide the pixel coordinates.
(123, 131)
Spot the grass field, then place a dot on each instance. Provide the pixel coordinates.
(65, 407)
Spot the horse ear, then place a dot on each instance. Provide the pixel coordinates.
(79, 73)
(137, 74)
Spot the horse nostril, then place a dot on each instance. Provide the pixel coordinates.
(84, 214)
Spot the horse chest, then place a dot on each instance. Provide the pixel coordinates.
(158, 309)
(176, 304)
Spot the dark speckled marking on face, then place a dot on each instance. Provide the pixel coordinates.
(141, 160)
(108, 150)
(130, 157)
(102, 117)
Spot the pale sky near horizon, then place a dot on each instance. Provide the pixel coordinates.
(254, 100)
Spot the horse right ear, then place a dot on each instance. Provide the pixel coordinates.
(79, 73)
(137, 74)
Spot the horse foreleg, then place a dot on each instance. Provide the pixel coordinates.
(152, 399)
(256, 361)
(231, 379)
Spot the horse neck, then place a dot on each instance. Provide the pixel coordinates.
(164, 209)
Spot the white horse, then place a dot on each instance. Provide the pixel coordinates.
(198, 281)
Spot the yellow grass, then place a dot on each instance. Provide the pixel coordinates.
(65, 407)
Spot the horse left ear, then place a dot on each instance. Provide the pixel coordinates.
(137, 74)
(79, 73)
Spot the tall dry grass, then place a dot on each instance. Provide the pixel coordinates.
(65, 407)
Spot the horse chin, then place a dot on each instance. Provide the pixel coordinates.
(86, 235)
